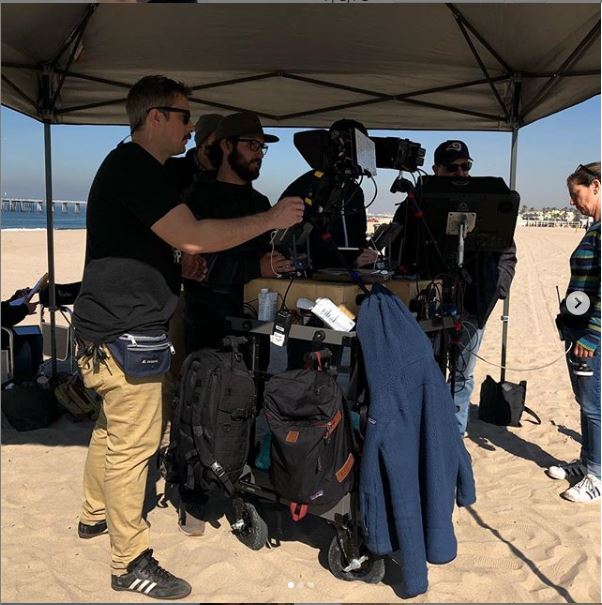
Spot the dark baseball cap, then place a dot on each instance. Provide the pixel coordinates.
(450, 151)
(243, 124)
(205, 125)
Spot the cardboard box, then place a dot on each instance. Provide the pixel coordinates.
(339, 292)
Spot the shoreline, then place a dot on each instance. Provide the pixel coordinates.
(11, 229)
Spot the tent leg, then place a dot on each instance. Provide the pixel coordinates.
(50, 243)
(506, 312)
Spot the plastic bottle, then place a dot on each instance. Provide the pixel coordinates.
(268, 302)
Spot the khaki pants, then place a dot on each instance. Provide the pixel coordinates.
(127, 434)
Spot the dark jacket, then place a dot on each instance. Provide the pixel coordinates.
(414, 463)
(492, 274)
(348, 226)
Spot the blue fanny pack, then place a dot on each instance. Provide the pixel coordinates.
(142, 356)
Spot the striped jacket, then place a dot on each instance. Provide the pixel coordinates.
(585, 277)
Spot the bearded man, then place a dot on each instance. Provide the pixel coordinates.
(237, 151)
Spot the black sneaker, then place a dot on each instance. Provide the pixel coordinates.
(145, 575)
(91, 531)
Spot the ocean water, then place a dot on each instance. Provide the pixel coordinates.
(37, 220)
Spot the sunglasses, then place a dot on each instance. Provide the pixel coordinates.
(185, 112)
(255, 145)
(465, 167)
(583, 168)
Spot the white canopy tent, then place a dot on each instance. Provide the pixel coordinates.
(395, 66)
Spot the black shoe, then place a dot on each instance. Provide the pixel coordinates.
(145, 575)
(91, 531)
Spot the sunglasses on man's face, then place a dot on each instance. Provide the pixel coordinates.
(185, 113)
(465, 167)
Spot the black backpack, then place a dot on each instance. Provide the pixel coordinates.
(312, 452)
(213, 415)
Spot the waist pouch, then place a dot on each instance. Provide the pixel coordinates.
(566, 322)
(142, 356)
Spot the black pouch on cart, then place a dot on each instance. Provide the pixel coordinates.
(213, 415)
(312, 452)
(142, 356)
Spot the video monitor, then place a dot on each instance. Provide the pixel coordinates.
(487, 202)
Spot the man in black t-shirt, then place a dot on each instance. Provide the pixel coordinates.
(239, 147)
(136, 228)
(348, 227)
(195, 164)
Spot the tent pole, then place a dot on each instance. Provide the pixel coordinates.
(50, 242)
(506, 312)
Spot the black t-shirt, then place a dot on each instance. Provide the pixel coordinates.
(219, 200)
(131, 277)
(186, 171)
(347, 228)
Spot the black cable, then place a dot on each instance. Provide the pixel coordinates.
(374, 196)
(251, 308)
(283, 306)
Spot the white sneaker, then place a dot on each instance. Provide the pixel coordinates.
(568, 470)
(587, 490)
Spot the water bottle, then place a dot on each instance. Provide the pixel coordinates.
(268, 302)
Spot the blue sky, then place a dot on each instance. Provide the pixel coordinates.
(548, 150)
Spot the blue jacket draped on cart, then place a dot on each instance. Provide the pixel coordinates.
(414, 463)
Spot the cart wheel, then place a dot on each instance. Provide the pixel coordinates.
(372, 570)
(254, 534)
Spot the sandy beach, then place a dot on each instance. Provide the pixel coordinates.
(520, 542)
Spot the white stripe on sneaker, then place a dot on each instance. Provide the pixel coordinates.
(152, 585)
(133, 584)
(141, 587)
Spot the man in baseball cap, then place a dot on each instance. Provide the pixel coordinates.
(196, 162)
(491, 274)
(452, 159)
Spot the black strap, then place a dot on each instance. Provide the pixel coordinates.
(532, 413)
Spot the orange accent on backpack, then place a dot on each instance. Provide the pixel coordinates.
(292, 436)
(345, 469)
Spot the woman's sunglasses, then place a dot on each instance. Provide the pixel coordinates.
(582, 168)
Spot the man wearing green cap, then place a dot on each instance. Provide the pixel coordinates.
(196, 162)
